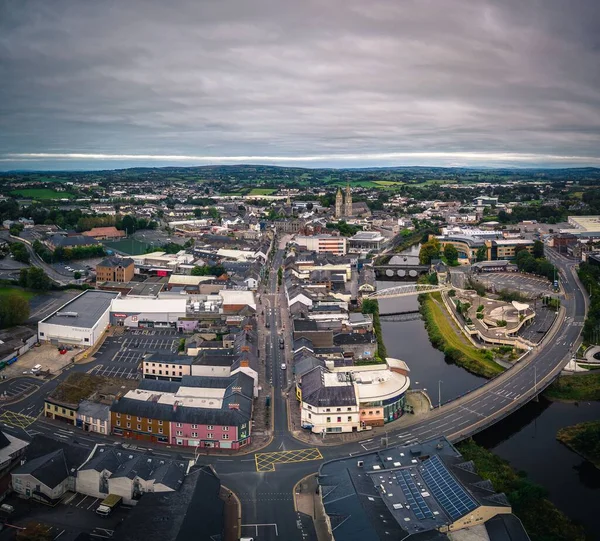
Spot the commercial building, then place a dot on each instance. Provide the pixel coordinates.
(466, 246)
(198, 411)
(584, 226)
(352, 399)
(408, 491)
(323, 244)
(506, 248)
(147, 312)
(365, 241)
(81, 321)
(115, 269)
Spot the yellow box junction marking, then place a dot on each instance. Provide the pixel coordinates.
(16, 420)
(265, 462)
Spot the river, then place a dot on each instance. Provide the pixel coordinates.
(527, 438)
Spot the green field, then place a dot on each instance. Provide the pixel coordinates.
(131, 246)
(576, 387)
(4, 291)
(42, 194)
(262, 191)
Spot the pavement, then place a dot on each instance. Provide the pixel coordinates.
(265, 481)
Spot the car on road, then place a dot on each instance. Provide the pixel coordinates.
(283, 366)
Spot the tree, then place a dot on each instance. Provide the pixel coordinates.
(481, 253)
(19, 252)
(451, 254)
(14, 310)
(23, 276)
(538, 249)
(129, 224)
(37, 279)
(214, 213)
(430, 250)
(15, 229)
(77, 275)
(309, 206)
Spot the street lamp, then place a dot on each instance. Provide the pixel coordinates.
(440, 393)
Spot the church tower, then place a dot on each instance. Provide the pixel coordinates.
(339, 203)
(348, 201)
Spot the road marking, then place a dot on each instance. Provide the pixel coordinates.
(265, 462)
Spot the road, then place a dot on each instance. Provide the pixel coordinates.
(266, 496)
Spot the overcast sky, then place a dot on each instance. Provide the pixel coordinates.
(115, 83)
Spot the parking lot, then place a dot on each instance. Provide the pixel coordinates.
(17, 387)
(134, 357)
(530, 286)
(115, 372)
(151, 343)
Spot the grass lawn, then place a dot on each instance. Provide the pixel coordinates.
(444, 335)
(387, 183)
(22, 292)
(584, 387)
(42, 194)
(262, 191)
(131, 246)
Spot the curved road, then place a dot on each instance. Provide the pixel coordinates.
(267, 497)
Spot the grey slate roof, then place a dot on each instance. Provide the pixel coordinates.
(115, 261)
(315, 392)
(49, 470)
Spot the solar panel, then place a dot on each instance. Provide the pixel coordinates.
(446, 490)
(413, 496)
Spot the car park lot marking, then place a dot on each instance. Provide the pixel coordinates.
(19, 388)
(128, 357)
(115, 372)
(265, 462)
(255, 531)
(16, 420)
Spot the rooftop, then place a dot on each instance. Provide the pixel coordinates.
(149, 305)
(83, 311)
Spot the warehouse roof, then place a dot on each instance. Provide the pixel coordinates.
(85, 310)
(139, 305)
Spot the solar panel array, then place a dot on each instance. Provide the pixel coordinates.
(413, 496)
(446, 490)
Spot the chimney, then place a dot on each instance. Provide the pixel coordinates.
(175, 404)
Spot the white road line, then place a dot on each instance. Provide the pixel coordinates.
(93, 503)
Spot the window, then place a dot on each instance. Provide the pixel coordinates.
(225, 428)
(160, 430)
(339, 409)
(194, 426)
(160, 372)
(371, 412)
(180, 374)
(86, 339)
(349, 418)
(102, 428)
(339, 419)
(179, 425)
(129, 417)
(377, 412)
(63, 411)
(55, 408)
(118, 423)
(180, 432)
(149, 428)
(329, 419)
(310, 415)
(349, 409)
(328, 409)
(154, 371)
(139, 427)
(209, 436)
(128, 425)
(72, 413)
(41, 334)
(209, 427)
(194, 434)
(309, 407)
(159, 423)
(139, 419)
(225, 436)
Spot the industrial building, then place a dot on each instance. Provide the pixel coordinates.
(147, 312)
(81, 321)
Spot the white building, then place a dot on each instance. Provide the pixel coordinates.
(81, 321)
(365, 241)
(147, 312)
(323, 243)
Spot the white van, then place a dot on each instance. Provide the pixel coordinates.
(36, 368)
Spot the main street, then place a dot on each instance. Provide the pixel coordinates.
(264, 482)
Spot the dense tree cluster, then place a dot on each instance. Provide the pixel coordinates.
(14, 310)
(34, 278)
(526, 262)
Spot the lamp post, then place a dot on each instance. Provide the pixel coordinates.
(440, 393)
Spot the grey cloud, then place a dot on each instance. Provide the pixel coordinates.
(288, 78)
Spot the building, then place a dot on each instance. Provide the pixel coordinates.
(81, 321)
(11, 451)
(467, 246)
(104, 233)
(195, 511)
(115, 269)
(60, 240)
(93, 417)
(147, 312)
(199, 412)
(16, 341)
(584, 226)
(502, 249)
(129, 474)
(365, 241)
(323, 244)
(408, 491)
(352, 399)
(48, 470)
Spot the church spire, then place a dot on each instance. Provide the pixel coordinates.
(339, 200)
(348, 201)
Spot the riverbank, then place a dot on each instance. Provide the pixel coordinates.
(446, 337)
(584, 439)
(576, 387)
(371, 306)
(541, 518)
